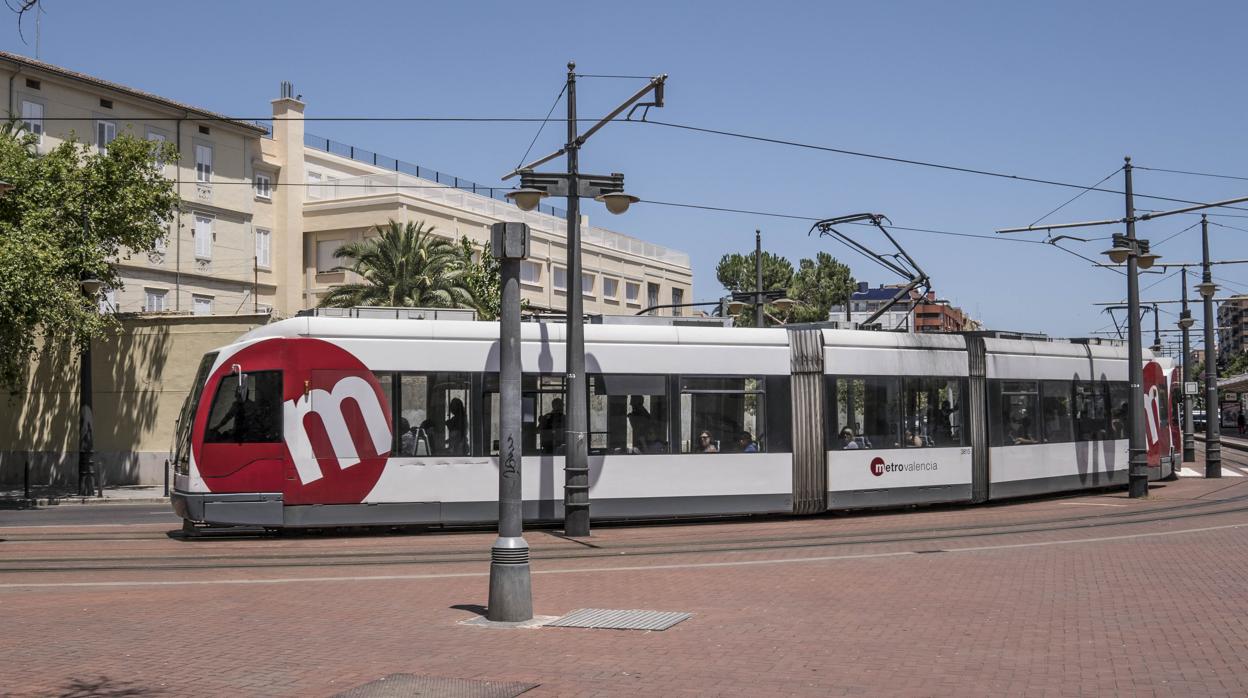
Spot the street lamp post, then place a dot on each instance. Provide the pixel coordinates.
(609, 189)
(1185, 324)
(511, 593)
(1137, 461)
(1213, 415)
(88, 485)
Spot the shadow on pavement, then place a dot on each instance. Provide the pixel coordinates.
(106, 688)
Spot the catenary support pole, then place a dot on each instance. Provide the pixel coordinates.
(1189, 437)
(511, 593)
(1137, 462)
(758, 279)
(1213, 412)
(576, 450)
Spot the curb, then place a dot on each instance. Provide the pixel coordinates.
(1226, 444)
(80, 501)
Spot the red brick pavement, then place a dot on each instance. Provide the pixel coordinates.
(1123, 611)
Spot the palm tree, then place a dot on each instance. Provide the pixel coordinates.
(406, 265)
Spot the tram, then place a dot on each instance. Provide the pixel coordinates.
(329, 421)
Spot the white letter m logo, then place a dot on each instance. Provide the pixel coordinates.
(328, 406)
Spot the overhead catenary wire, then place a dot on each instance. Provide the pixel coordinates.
(1195, 174)
(537, 135)
(1077, 196)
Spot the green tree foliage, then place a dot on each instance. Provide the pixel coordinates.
(1237, 365)
(45, 248)
(484, 279)
(817, 285)
(405, 265)
(737, 273)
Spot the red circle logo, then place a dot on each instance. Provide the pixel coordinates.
(877, 466)
(336, 423)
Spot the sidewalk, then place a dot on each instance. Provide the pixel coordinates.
(1228, 441)
(44, 496)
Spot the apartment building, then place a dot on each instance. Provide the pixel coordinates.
(207, 264)
(929, 314)
(1232, 321)
(262, 211)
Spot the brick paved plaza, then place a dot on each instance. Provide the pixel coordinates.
(1091, 595)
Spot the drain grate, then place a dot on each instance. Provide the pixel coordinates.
(620, 620)
(408, 685)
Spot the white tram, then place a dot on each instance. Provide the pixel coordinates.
(319, 421)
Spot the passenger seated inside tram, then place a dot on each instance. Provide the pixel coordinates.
(848, 442)
(1020, 429)
(705, 444)
(912, 439)
(745, 443)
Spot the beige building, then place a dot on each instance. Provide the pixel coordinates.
(262, 212)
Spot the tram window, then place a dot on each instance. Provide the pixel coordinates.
(386, 380)
(255, 418)
(628, 414)
(1119, 399)
(1014, 413)
(1092, 421)
(728, 410)
(542, 413)
(189, 409)
(867, 412)
(933, 412)
(434, 414)
(1055, 406)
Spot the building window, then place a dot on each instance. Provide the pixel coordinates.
(108, 300)
(203, 237)
(632, 292)
(262, 248)
(587, 285)
(201, 305)
(561, 278)
(155, 300)
(678, 298)
(610, 288)
(264, 186)
(531, 273)
(161, 244)
(325, 260)
(315, 190)
(203, 163)
(105, 133)
(159, 139)
(652, 294)
(32, 117)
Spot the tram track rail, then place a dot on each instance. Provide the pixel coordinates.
(249, 559)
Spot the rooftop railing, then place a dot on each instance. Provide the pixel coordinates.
(453, 192)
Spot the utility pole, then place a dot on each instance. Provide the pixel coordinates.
(87, 482)
(1213, 413)
(511, 592)
(576, 450)
(1185, 323)
(1137, 462)
(609, 189)
(1156, 330)
(758, 279)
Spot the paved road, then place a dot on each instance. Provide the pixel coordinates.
(1085, 595)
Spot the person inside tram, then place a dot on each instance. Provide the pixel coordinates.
(912, 439)
(705, 444)
(1020, 428)
(848, 442)
(645, 431)
(457, 429)
(745, 443)
(550, 428)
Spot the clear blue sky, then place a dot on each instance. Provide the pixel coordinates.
(1055, 90)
